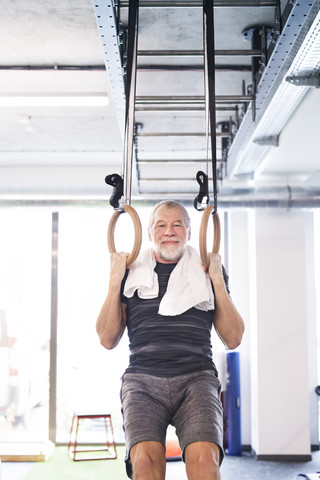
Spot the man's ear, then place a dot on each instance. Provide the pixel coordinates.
(189, 234)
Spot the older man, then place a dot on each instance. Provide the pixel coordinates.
(168, 303)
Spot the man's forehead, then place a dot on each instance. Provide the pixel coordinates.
(174, 213)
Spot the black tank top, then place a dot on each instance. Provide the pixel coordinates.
(167, 346)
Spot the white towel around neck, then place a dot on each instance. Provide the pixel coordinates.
(188, 286)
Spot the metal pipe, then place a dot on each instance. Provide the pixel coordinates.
(180, 160)
(180, 134)
(199, 3)
(286, 198)
(281, 197)
(192, 68)
(155, 108)
(91, 68)
(168, 179)
(199, 53)
(54, 67)
(264, 198)
(192, 99)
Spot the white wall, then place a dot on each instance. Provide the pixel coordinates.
(272, 283)
(240, 260)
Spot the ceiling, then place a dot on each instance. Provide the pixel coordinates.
(50, 50)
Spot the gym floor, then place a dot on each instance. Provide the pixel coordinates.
(245, 467)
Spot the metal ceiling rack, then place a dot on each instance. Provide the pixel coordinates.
(235, 105)
(210, 100)
(175, 103)
(291, 50)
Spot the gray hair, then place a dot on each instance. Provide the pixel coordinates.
(169, 204)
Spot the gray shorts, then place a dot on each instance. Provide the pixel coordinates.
(191, 403)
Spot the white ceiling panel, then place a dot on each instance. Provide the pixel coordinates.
(54, 48)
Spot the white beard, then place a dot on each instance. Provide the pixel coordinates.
(170, 253)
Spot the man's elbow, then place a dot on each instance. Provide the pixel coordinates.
(232, 344)
(108, 339)
(108, 343)
(234, 340)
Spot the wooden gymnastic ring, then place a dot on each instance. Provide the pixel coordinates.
(137, 233)
(203, 235)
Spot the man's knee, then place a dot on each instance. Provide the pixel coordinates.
(203, 460)
(148, 460)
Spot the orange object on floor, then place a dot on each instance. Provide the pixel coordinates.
(173, 450)
(73, 447)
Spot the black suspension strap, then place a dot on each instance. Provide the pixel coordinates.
(121, 197)
(202, 198)
(133, 23)
(209, 74)
(210, 114)
(116, 181)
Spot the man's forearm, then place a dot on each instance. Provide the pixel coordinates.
(111, 321)
(227, 320)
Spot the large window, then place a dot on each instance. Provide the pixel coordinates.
(317, 285)
(88, 376)
(25, 250)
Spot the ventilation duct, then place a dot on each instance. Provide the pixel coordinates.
(281, 197)
(247, 198)
(295, 54)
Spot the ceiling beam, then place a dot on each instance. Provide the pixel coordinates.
(199, 53)
(276, 99)
(108, 32)
(199, 3)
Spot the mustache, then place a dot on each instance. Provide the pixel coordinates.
(177, 240)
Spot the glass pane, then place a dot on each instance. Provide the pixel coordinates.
(88, 376)
(317, 285)
(25, 275)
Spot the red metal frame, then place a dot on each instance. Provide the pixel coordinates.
(73, 448)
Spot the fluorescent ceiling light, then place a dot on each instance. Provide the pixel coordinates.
(49, 100)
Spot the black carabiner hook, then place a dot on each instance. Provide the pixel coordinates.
(202, 199)
(117, 183)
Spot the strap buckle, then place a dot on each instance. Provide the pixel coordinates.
(202, 199)
(116, 181)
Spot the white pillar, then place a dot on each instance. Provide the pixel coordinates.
(240, 271)
(284, 325)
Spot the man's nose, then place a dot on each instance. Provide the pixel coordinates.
(169, 230)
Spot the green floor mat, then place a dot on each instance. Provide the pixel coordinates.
(60, 467)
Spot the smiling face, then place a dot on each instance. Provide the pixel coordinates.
(169, 234)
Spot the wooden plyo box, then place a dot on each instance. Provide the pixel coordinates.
(26, 452)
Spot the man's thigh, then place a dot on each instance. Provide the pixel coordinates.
(199, 417)
(145, 417)
(145, 413)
